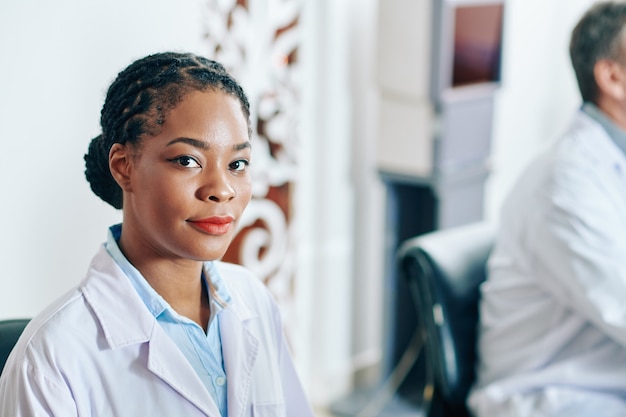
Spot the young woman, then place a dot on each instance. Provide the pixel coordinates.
(159, 326)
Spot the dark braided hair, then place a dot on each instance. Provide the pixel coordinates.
(138, 102)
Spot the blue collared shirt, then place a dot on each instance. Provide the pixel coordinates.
(617, 134)
(203, 351)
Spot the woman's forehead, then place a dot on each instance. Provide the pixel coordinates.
(207, 116)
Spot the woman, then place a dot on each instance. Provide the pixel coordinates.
(159, 326)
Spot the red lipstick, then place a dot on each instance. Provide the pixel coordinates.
(216, 225)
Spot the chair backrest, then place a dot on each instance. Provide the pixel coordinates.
(444, 270)
(10, 331)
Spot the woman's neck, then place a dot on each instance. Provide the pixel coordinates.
(184, 290)
(179, 282)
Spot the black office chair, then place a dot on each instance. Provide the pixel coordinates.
(10, 331)
(444, 270)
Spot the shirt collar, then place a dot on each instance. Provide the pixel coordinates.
(615, 132)
(219, 296)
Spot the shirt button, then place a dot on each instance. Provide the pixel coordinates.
(220, 380)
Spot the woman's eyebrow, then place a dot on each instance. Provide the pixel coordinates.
(242, 146)
(204, 146)
(193, 142)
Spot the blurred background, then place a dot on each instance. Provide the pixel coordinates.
(368, 129)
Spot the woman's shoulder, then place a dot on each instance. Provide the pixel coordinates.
(59, 324)
(61, 312)
(244, 283)
(238, 275)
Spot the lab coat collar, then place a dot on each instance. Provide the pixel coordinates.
(616, 133)
(124, 318)
(167, 362)
(601, 144)
(240, 349)
(125, 321)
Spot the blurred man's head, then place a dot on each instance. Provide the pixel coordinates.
(599, 38)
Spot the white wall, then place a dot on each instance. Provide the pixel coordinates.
(56, 60)
(538, 94)
(325, 204)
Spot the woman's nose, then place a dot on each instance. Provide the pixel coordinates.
(218, 188)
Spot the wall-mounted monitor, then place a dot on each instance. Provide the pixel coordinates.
(467, 45)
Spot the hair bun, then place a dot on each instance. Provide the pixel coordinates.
(99, 175)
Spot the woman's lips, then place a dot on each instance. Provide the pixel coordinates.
(217, 225)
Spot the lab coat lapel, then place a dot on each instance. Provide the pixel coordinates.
(114, 300)
(240, 349)
(608, 152)
(167, 362)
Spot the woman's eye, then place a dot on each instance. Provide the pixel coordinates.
(186, 161)
(239, 165)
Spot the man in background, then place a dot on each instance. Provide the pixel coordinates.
(552, 337)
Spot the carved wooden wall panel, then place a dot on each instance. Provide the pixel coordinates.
(257, 40)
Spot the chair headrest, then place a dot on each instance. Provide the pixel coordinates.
(445, 268)
(10, 331)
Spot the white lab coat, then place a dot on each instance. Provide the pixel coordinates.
(552, 339)
(99, 352)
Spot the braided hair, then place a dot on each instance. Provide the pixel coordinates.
(139, 101)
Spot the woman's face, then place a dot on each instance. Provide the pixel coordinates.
(187, 187)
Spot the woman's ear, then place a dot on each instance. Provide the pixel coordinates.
(120, 159)
(611, 79)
